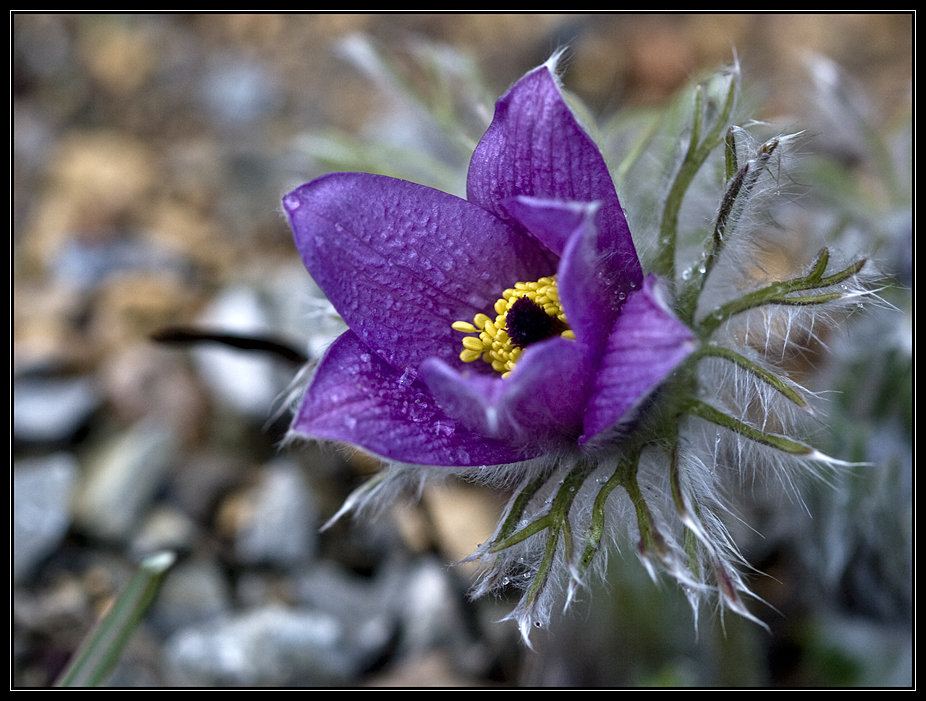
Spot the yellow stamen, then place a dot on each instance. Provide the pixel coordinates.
(493, 343)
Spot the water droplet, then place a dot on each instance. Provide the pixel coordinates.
(408, 377)
(291, 202)
(418, 412)
(622, 296)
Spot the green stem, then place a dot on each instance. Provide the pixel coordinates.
(520, 504)
(559, 510)
(691, 540)
(558, 523)
(650, 537)
(695, 157)
(740, 185)
(777, 293)
(626, 466)
(704, 411)
(729, 154)
(711, 350)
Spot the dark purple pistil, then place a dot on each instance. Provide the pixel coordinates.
(527, 323)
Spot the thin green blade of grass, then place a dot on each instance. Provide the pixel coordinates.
(97, 656)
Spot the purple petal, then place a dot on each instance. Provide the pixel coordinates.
(551, 222)
(590, 305)
(357, 398)
(400, 262)
(646, 344)
(569, 230)
(536, 406)
(535, 147)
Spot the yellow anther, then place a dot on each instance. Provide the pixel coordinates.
(464, 326)
(468, 356)
(473, 343)
(494, 343)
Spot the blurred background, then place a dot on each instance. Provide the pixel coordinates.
(150, 153)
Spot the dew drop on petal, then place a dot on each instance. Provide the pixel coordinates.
(418, 412)
(408, 377)
(291, 202)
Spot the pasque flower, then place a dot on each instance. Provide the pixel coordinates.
(535, 273)
(513, 338)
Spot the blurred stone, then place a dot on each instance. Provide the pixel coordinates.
(247, 381)
(165, 528)
(301, 311)
(238, 91)
(51, 409)
(194, 592)
(271, 646)
(133, 304)
(433, 670)
(41, 508)
(198, 486)
(464, 516)
(119, 56)
(121, 479)
(46, 333)
(83, 262)
(428, 602)
(95, 179)
(369, 619)
(144, 379)
(281, 524)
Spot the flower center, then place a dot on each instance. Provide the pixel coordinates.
(527, 313)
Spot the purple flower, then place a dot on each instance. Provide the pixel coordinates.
(417, 273)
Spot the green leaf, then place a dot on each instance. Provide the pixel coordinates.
(97, 656)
